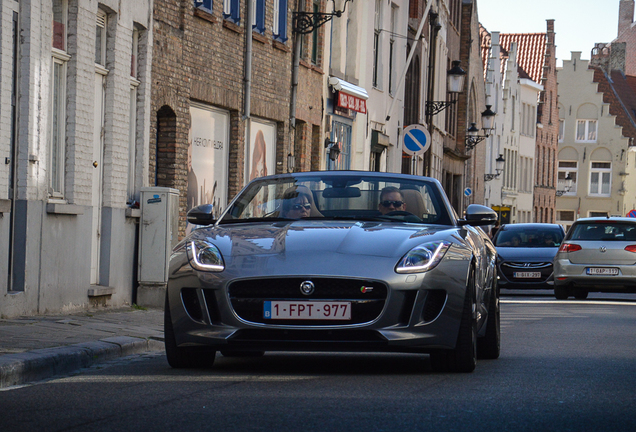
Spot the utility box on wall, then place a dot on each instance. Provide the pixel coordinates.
(158, 234)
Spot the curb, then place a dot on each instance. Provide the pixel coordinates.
(36, 365)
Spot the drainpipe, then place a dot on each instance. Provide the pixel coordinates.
(294, 89)
(248, 60)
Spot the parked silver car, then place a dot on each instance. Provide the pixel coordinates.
(597, 254)
(335, 261)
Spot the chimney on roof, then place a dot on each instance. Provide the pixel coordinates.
(625, 15)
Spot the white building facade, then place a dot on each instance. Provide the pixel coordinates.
(74, 107)
(365, 50)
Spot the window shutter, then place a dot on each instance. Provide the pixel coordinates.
(236, 11)
(282, 20)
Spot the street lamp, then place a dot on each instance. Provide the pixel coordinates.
(499, 167)
(569, 181)
(455, 79)
(487, 121)
(307, 22)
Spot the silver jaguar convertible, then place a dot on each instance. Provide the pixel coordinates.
(335, 261)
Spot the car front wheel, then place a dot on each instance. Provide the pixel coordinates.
(183, 357)
(489, 346)
(464, 357)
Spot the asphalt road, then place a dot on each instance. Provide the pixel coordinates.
(565, 366)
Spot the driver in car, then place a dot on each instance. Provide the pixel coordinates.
(391, 199)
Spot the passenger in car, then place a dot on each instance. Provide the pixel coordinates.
(296, 204)
(391, 199)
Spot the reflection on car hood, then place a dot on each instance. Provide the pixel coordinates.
(311, 236)
(527, 254)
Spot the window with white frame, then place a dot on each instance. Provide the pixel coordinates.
(392, 47)
(205, 5)
(100, 38)
(59, 65)
(567, 167)
(586, 130)
(600, 178)
(232, 10)
(279, 25)
(597, 214)
(376, 43)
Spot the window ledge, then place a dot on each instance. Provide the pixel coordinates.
(260, 37)
(133, 213)
(97, 291)
(281, 46)
(68, 209)
(205, 15)
(5, 206)
(232, 26)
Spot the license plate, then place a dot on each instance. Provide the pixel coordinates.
(611, 271)
(303, 310)
(527, 275)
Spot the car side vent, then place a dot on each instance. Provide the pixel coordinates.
(212, 306)
(433, 305)
(407, 307)
(192, 304)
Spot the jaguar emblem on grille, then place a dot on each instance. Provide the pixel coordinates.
(307, 288)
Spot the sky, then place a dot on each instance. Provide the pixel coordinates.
(577, 28)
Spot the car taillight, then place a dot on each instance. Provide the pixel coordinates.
(631, 248)
(569, 247)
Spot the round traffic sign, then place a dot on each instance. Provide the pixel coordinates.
(468, 191)
(632, 214)
(416, 139)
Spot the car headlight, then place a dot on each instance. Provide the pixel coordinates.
(205, 256)
(423, 258)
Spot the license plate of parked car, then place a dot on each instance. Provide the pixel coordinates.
(314, 310)
(527, 275)
(602, 271)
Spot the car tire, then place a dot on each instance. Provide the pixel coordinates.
(489, 346)
(183, 357)
(581, 294)
(464, 357)
(561, 292)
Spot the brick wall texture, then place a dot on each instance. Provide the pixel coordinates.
(200, 56)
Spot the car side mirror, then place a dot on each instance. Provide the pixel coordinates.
(479, 215)
(201, 215)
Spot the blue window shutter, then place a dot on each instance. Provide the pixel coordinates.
(282, 20)
(260, 16)
(203, 4)
(236, 11)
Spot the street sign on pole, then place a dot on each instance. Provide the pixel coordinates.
(415, 140)
(468, 192)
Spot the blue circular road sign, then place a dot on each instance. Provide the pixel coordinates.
(416, 139)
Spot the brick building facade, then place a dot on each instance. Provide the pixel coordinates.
(202, 66)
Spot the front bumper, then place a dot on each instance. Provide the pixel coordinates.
(420, 313)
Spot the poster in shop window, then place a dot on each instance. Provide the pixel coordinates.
(208, 140)
(261, 157)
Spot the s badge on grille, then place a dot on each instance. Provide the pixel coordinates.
(307, 287)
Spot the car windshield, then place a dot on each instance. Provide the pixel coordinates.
(336, 196)
(606, 231)
(528, 237)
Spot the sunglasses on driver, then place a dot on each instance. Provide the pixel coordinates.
(395, 204)
(301, 207)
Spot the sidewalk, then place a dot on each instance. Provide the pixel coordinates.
(36, 348)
